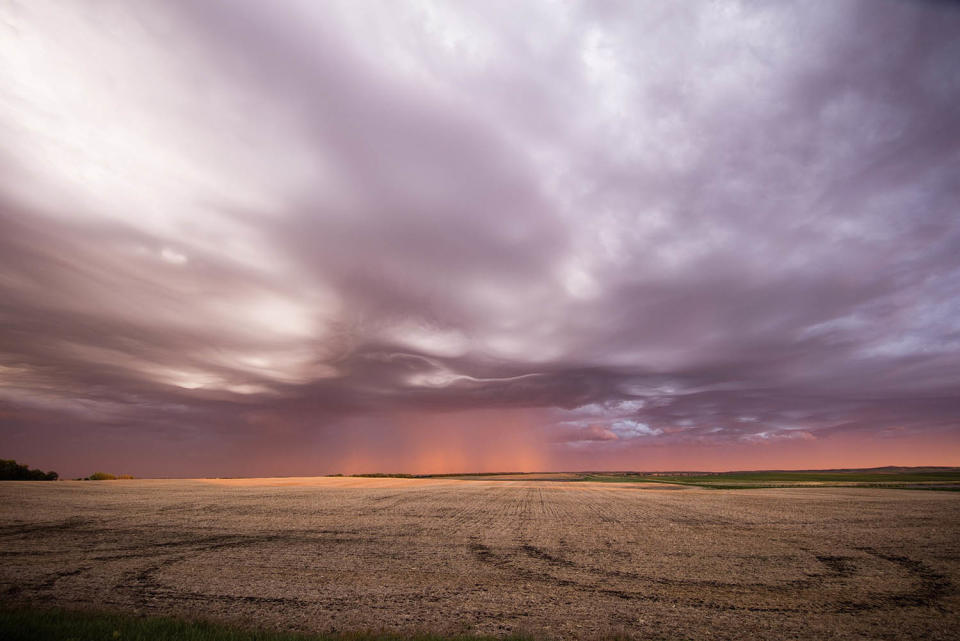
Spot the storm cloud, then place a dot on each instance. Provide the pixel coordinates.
(246, 229)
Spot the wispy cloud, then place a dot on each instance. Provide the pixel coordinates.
(644, 220)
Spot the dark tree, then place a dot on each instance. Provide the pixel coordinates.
(10, 470)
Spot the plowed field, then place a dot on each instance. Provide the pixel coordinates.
(556, 560)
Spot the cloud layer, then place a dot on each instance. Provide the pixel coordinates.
(630, 224)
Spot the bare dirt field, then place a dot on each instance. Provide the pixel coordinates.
(556, 560)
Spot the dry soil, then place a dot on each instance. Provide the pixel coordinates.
(557, 560)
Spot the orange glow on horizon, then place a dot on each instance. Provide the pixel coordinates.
(447, 442)
(513, 440)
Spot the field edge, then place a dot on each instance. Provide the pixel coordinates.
(39, 623)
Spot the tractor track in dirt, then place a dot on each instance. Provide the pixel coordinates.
(565, 560)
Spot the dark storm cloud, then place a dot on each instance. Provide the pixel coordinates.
(678, 222)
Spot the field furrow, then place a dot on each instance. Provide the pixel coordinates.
(560, 560)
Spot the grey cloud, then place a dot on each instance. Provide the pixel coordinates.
(708, 210)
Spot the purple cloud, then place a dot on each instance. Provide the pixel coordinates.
(683, 223)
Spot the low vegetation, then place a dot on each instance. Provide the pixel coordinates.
(935, 478)
(919, 478)
(387, 475)
(10, 470)
(104, 476)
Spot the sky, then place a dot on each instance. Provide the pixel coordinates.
(299, 237)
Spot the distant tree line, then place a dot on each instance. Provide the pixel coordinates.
(10, 470)
(104, 476)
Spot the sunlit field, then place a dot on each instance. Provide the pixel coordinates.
(544, 559)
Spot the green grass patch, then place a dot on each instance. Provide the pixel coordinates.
(822, 477)
(907, 479)
(924, 478)
(31, 624)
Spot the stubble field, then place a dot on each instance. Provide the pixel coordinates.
(550, 559)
